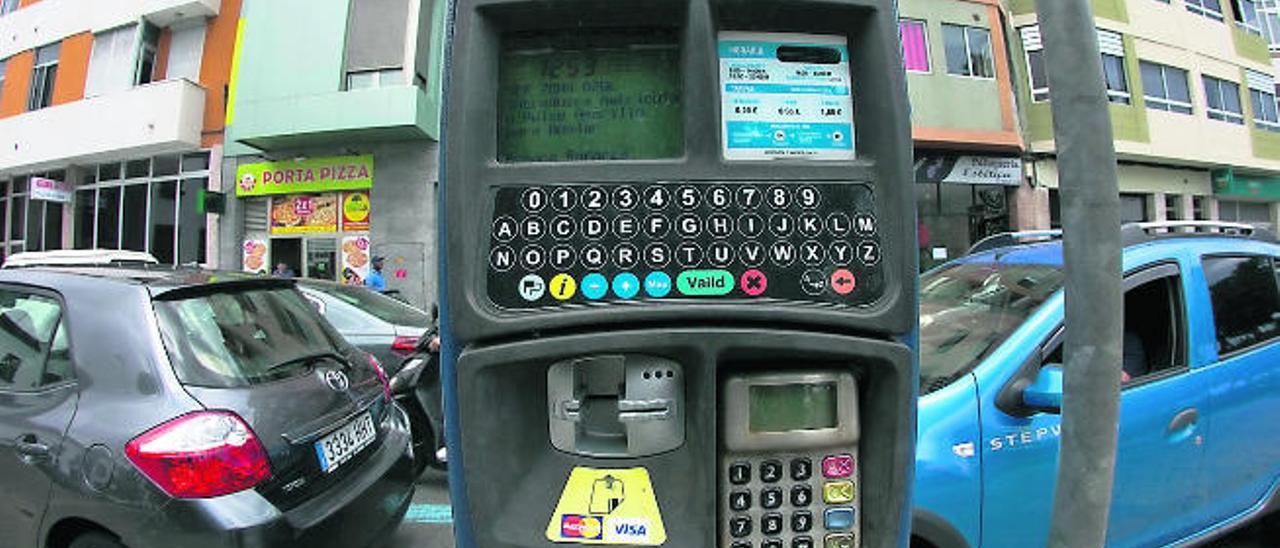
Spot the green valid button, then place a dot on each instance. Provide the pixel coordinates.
(705, 283)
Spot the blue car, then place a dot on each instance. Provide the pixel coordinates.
(1199, 438)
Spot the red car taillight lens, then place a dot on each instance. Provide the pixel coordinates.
(382, 376)
(404, 345)
(201, 455)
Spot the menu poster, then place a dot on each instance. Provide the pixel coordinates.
(304, 213)
(255, 256)
(355, 211)
(355, 259)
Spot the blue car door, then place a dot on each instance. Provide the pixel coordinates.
(1243, 460)
(1158, 483)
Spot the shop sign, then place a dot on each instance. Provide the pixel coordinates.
(1229, 184)
(50, 190)
(355, 211)
(304, 213)
(255, 256)
(968, 170)
(355, 259)
(314, 175)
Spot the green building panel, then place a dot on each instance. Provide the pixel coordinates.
(1248, 45)
(289, 87)
(1115, 10)
(943, 100)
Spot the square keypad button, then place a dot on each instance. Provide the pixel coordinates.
(790, 500)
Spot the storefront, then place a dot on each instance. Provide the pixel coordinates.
(960, 199)
(1249, 199)
(313, 216)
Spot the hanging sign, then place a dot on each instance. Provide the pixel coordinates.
(314, 175)
(603, 506)
(968, 170)
(355, 259)
(50, 190)
(785, 96)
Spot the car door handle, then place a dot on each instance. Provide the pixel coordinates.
(31, 448)
(1183, 423)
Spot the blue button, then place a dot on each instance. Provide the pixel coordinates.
(595, 286)
(626, 285)
(657, 284)
(839, 519)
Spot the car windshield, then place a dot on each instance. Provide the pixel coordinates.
(380, 306)
(967, 310)
(244, 337)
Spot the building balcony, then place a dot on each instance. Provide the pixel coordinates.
(391, 113)
(48, 21)
(157, 118)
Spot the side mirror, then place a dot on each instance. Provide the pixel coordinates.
(1045, 394)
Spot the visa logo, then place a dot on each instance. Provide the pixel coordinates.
(627, 530)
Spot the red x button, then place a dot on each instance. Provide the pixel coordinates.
(754, 282)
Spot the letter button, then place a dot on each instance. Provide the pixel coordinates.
(865, 224)
(838, 224)
(781, 225)
(505, 229)
(810, 224)
(689, 225)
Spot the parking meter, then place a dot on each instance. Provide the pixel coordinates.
(678, 274)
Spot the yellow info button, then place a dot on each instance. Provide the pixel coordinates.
(837, 492)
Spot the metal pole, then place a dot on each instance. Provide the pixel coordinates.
(1091, 254)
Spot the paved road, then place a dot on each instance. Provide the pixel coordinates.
(429, 522)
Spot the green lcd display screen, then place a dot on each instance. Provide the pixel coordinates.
(578, 95)
(790, 407)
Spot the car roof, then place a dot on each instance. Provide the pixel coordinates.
(158, 279)
(1050, 252)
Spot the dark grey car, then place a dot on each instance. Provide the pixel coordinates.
(373, 322)
(174, 408)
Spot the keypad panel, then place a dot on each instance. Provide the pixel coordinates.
(576, 244)
(792, 500)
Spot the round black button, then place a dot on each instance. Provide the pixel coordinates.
(810, 224)
(533, 228)
(740, 501)
(808, 196)
(656, 225)
(626, 226)
(838, 224)
(532, 257)
(563, 227)
(781, 225)
(813, 253)
(625, 198)
(594, 227)
(869, 253)
(770, 471)
(720, 254)
(801, 496)
(626, 256)
(771, 524)
(751, 254)
(750, 225)
(719, 197)
(740, 526)
(502, 258)
(595, 199)
(657, 197)
(689, 225)
(689, 254)
(533, 200)
(865, 224)
(778, 197)
(563, 257)
(563, 198)
(594, 256)
(771, 498)
(801, 522)
(720, 225)
(505, 229)
(688, 197)
(749, 197)
(801, 468)
(802, 542)
(840, 252)
(782, 253)
(739, 473)
(658, 255)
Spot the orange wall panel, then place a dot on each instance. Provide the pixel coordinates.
(215, 69)
(25, 3)
(73, 68)
(162, 54)
(17, 83)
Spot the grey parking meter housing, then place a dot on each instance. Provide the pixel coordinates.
(553, 305)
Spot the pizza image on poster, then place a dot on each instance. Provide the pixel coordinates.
(355, 259)
(304, 213)
(255, 256)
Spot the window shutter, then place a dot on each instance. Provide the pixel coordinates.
(1260, 81)
(1111, 43)
(1031, 38)
(256, 216)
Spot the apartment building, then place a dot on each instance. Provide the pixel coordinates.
(969, 167)
(1193, 108)
(332, 135)
(111, 123)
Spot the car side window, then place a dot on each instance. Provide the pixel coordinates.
(344, 317)
(1246, 301)
(34, 350)
(1154, 340)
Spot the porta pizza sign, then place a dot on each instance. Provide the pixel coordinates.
(313, 175)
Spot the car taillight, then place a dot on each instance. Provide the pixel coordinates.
(404, 345)
(382, 376)
(201, 455)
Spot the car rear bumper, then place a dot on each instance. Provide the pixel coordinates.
(363, 510)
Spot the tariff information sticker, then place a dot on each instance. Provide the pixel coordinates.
(600, 506)
(785, 96)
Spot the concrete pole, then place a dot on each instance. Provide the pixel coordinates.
(1091, 253)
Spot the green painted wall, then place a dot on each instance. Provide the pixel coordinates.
(1128, 122)
(1250, 46)
(942, 100)
(1115, 10)
(290, 81)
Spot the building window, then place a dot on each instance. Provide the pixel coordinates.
(1111, 45)
(112, 64)
(1269, 17)
(1246, 14)
(1165, 87)
(1208, 8)
(7, 6)
(145, 71)
(968, 51)
(1262, 97)
(33, 225)
(1223, 100)
(915, 45)
(377, 39)
(155, 208)
(43, 76)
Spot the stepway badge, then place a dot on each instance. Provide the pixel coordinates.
(785, 96)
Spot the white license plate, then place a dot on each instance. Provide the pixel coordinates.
(345, 442)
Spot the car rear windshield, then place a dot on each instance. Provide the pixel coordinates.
(242, 337)
(380, 306)
(967, 310)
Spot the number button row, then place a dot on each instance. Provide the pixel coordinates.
(660, 197)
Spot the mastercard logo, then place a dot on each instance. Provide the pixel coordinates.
(583, 527)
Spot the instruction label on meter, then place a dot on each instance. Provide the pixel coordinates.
(785, 96)
(601, 506)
